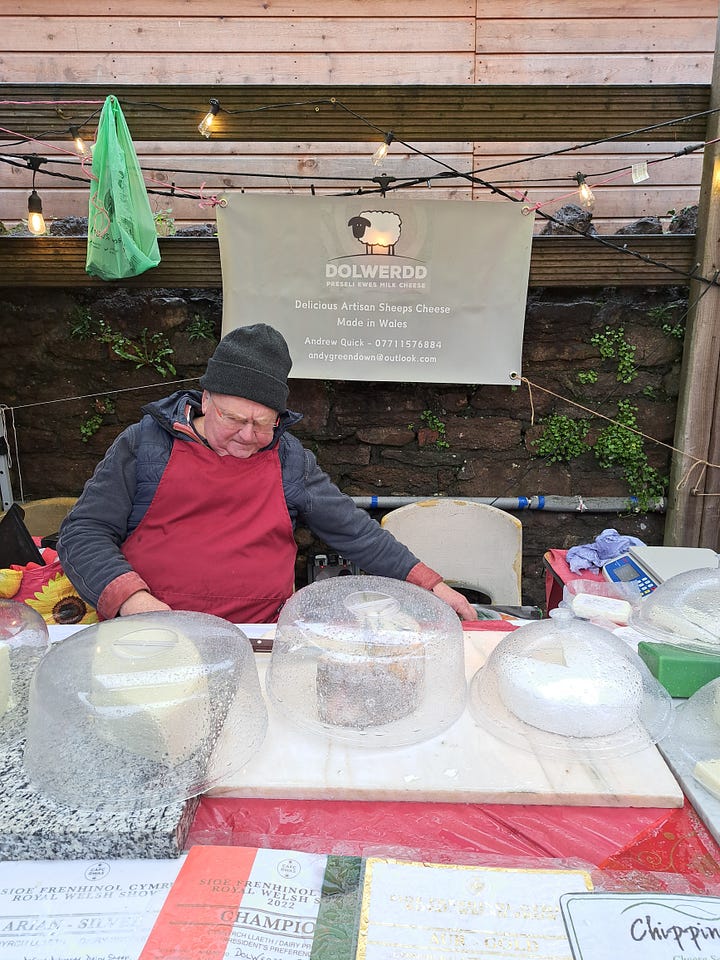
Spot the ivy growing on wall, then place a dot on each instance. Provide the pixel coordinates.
(617, 445)
(563, 438)
(433, 422)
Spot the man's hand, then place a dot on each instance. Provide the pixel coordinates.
(460, 604)
(142, 602)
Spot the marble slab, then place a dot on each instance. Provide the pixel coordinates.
(465, 764)
(33, 827)
(705, 804)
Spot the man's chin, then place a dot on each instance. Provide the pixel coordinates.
(240, 452)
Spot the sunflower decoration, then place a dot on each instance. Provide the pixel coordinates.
(58, 602)
(9, 582)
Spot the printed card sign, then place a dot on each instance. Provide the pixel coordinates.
(642, 926)
(381, 288)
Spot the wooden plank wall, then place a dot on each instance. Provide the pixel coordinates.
(490, 42)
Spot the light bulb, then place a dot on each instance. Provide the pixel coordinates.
(587, 197)
(82, 148)
(36, 221)
(205, 125)
(382, 150)
(380, 154)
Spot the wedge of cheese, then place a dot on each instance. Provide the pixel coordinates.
(149, 691)
(686, 623)
(707, 772)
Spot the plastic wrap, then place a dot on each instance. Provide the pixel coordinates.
(646, 848)
(603, 602)
(23, 641)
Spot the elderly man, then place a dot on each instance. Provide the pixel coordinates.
(194, 506)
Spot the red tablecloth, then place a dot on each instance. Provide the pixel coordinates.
(613, 839)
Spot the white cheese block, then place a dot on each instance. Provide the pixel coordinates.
(5, 678)
(588, 606)
(149, 691)
(707, 772)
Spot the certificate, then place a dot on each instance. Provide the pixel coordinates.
(240, 902)
(426, 911)
(74, 909)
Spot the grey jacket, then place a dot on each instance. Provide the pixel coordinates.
(116, 497)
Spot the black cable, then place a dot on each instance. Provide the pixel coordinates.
(392, 183)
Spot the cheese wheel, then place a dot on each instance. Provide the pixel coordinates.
(149, 692)
(585, 695)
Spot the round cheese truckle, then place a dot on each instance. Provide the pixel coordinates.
(371, 661)
(566, 686)
(127, 712)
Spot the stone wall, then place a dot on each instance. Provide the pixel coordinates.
(69, 395)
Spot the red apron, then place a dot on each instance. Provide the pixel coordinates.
(217, 537)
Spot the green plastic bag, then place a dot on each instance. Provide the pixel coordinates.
(122, 239)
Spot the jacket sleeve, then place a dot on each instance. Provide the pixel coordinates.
(331, 515)
(92, 533)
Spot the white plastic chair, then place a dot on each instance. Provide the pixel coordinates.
(473, 545)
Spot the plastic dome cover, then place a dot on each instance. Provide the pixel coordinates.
(567, 687)
(23, 640)
(683, 610)
(368, 660)
(126, 713)
(696, 733)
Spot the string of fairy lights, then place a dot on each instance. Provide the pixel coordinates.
(76, 151)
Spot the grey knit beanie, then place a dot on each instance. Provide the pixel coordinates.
(251, 362)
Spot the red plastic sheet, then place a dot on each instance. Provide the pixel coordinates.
(623, 839)
(558, 573)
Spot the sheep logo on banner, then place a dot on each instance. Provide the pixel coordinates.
(377, 229)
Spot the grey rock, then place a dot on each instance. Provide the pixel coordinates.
(645, 225)
(69, 227)
(569, 219)
(197, 230)
(684, 221)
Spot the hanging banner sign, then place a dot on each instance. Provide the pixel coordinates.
(370, 288)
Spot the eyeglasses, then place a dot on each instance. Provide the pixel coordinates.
(260, 428)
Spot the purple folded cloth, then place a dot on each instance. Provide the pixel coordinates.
(592, 556)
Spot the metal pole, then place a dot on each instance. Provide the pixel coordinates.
(6, 493)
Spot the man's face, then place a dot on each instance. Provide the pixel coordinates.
(235, 427)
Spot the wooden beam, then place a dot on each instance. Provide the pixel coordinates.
(564, 261)
(277, 113)
(693, 517)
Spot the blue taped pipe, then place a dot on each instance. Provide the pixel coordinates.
(548, 503)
